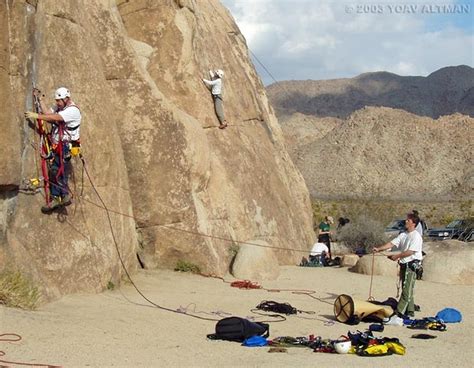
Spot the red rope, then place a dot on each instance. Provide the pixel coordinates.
(245, 284)
(13, 337)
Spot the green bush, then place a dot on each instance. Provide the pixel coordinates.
(362, 233)
(183, 266)
(18, 291)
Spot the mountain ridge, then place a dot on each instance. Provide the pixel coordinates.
(445, 91)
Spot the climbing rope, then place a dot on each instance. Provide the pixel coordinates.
(371, 298)
(13, 337)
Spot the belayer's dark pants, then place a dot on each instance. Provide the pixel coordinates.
(406, 304)
(324, 238)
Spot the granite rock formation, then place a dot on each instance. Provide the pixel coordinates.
(166, 173)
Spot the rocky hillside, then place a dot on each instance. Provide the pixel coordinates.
(150, 139)
(384, 153)
(444, 92)
(382, 136)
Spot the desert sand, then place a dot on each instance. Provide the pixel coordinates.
(120, 329)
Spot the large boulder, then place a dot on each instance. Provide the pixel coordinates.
(349, 260)
(449, 262)
(379, 265)
(174, 183)
(256, 262)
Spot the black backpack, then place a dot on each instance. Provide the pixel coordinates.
(238, 329)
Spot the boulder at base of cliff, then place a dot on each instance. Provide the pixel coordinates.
(349, 260)
(449, 262)
(382, 266)
(256, 263)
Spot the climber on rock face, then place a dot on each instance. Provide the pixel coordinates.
(65, 119)
(215, 84)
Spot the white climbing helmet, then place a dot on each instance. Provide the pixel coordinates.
(61, 93)
(342, 346)
(220, 73)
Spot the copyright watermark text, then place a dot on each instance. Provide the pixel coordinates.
(408, 9)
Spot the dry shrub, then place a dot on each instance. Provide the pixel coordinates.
(362, 233)
(18, 291)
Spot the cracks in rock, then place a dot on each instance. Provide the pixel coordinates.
(131, 12)
(157, 225)
(115, 79)
(33, 3)
(64, 16)
(8, 190)
(258, 118)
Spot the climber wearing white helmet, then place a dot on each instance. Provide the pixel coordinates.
(65, 119)
(216, 90)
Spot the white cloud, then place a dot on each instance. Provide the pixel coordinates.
(307, 39)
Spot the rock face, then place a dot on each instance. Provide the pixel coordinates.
(256, 262)
(150, 140)
(381, 266)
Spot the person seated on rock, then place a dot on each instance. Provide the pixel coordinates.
(216, 86)
(319, 254)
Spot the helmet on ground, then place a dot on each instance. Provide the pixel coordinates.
(220, 73)
(61, 92)
(342, 346)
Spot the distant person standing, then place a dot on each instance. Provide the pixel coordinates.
(216, 90)
(421, 224)
(324, 233)
(342, 222)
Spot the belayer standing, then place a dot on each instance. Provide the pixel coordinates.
(410, 245)
(216, 90)
(65, 119)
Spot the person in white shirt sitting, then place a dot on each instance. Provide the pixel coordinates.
(319, 254)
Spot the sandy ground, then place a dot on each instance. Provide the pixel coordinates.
(119, 329)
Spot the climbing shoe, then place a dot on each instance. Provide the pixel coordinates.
(66, 200)
(53, 204)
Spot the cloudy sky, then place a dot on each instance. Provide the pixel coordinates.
(324, 39)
